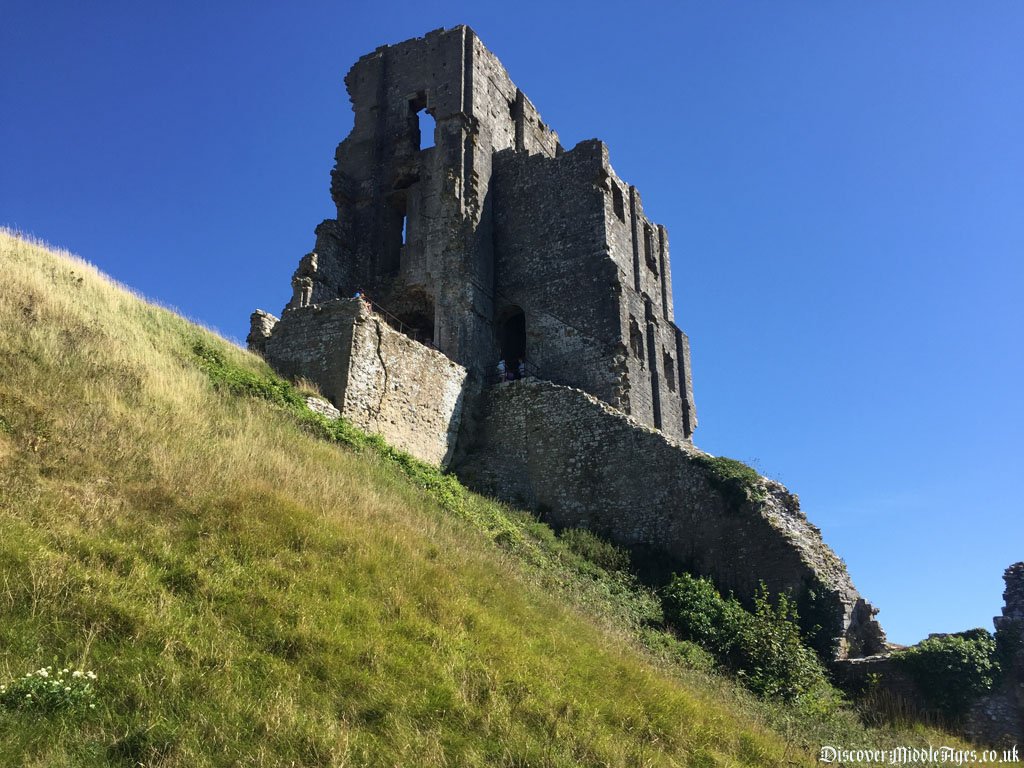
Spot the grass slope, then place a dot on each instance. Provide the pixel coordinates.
(250, 594)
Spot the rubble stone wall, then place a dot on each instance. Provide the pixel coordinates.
(380, 379)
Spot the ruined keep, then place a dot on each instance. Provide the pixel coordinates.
(478, 238)
(488, 240)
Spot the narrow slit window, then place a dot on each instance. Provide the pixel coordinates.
(649, 249)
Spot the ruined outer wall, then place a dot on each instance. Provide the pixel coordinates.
(380, 380)
(313, 343)
(585, 464)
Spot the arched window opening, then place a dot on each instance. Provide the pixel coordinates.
(512, 335)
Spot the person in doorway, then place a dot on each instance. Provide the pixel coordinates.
(501, 370)
(520, 369)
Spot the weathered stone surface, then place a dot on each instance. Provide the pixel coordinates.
(881, 670)
(261, 325)
(324, 408)
(583, 463)
(378, 378)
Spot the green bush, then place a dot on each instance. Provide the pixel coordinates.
(778, 661)
(952, 671)
(763, 647)
(595, 549)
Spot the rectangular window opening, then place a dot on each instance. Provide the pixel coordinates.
(424, 126)
(617, 203)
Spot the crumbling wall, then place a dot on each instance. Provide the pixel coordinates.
(313, 343)
(380, 380)
(582, 463)
(409, 394)
(999, 717)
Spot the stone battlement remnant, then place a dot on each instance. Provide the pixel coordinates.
(478, 238)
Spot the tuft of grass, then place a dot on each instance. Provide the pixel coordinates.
(738, 483)
(255, 585)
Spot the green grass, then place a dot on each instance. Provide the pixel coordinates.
(737, 482)
(256, 586)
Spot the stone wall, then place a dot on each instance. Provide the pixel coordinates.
(380, 379)
(584, 464)
(566, 244)
(999, 718)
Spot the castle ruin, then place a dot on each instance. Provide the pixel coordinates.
(478, 238)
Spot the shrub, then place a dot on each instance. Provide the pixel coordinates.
(763, 647)
(952, 671)
(47, 690)
(778, 661)
(591, 547)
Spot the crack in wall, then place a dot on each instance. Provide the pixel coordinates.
(384, 368)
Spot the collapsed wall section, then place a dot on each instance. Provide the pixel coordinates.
(584, 464)
(378, 378)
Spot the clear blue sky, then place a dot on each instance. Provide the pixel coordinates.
(843, 185)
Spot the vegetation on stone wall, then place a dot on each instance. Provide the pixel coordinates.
(737, 482)
(952, 671)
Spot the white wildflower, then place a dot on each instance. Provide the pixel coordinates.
(77, 673)
(43, 673)
(91, 675)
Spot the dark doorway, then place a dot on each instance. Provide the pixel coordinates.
(512, 335)
(419, 326)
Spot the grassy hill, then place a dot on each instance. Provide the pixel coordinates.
(253, 587)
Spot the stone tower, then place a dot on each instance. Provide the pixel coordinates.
(461, 217)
